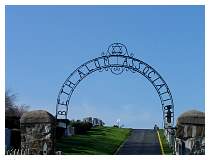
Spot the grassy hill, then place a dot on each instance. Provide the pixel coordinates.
(97, 141)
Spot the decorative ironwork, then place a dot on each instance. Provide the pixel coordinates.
(117, 60)
(117, 49)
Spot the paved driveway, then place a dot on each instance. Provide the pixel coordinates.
(141, 142)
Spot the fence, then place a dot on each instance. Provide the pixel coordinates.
(18, 152)
(59, 153)
(25, 152)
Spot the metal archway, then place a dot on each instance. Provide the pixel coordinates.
(117, 59)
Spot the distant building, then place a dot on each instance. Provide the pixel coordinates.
(94, 121)
(88, 119)
(190, 133)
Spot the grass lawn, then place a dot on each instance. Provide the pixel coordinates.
(97, 141)
(166, 148)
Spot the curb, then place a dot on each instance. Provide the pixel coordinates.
(115, 153)
(161, 145)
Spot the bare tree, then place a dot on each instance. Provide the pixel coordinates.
(9, 99)
(21, 109)
(10, 102)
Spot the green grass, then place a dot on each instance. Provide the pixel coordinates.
(166, 148)
(97, 141)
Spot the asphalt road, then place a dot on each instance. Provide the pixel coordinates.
(141, 142)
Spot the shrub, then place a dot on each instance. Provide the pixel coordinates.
(81, 127)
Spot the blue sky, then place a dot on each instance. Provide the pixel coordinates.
(44, 44)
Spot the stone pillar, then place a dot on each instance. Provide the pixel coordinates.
(38, 132)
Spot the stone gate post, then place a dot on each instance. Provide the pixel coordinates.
(38, 132)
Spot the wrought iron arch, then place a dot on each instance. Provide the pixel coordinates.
(117, 60)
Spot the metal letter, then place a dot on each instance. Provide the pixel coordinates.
(97, 63)
(150, 73)
(81, 74)
(160, 86)
(146, 70)
(70, 84)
